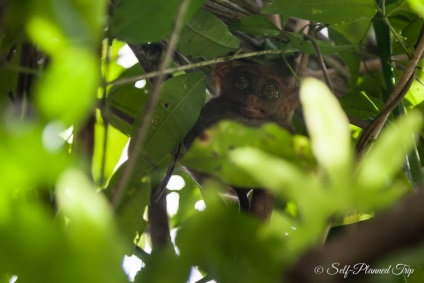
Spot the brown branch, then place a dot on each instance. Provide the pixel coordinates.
(320, 61)
(397, 229)
(400, 90)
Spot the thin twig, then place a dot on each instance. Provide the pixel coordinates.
(394, 99)
(162, 187)
(195, 65)
(302, 66)
(320, 61)
(150, 106)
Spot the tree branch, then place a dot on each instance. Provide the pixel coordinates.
(399, 92)
(398, 228)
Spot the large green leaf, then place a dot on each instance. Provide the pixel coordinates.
(388, 153)
(327, 11)
(142, 21)
(270, 171)
(207, 36)
(328, 127)
(179, 106)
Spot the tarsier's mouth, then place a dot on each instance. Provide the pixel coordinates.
(252, 112)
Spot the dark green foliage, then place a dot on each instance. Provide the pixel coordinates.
(66, 116)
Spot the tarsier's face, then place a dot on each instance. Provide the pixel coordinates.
(258, 92)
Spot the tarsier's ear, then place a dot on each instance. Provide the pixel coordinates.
(222, 71)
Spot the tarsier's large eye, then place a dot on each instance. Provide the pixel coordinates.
(242, 82)
(271, 91)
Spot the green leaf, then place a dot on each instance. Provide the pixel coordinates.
(210, 152)
(387, 155)
(316, 202)
(236, 256)
(328, 128)
(354, 32)
(142, 21)
(417, 6)
(30, 155)
(80, 22)
(207, 36)
(177, 270)
(90, 230)
(361, 106)
(256, 25)
(108, 148)
(327, 11)
(415, 94)
(298, 41)
(178, 108)
(269, 171)
(59, 97)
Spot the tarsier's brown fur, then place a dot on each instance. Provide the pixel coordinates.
(251, 94)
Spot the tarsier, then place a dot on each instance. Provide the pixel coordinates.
(251, 94)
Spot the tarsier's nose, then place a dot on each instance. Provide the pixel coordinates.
(253, 99)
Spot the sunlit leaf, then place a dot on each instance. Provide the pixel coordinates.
(108, 149)
(90, 226)
(415, 94)
(328, 127)
(27, 159)
(269, 171)
(388, 153)
(63, 99)
(210, 153)
(417, 6)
